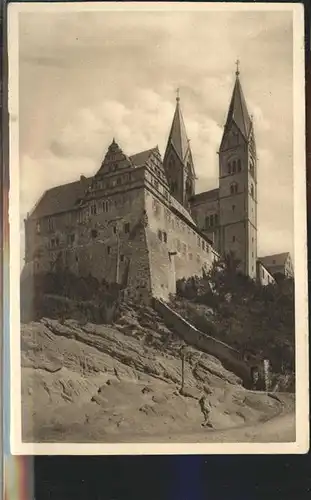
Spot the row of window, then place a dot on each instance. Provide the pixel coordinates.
(234, 166)
(234, 188)
(111, 183)
(211, 221)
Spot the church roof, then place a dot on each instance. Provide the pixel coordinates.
(238, 112)
(278, 259)
(211, 195)
(178, 135)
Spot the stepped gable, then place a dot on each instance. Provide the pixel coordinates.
(61, 198)
(151, 158)
(114, 160)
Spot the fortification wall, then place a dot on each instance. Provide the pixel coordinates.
(176, 250)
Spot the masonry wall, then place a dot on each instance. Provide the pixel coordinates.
(202, 211)
(263, 276)
(230, 358)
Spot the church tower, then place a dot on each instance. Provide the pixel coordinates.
(238, 184)
(178, 162)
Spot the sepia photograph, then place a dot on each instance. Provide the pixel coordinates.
(158, 228)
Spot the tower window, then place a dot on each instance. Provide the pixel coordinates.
(239, 166)
(234, 188)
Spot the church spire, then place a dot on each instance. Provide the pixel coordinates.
(238, 112)
(178, 162)
(178, 136)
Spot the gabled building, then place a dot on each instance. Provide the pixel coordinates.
(279, 264)
(138, 220)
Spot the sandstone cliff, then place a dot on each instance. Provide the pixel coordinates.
(83, 382)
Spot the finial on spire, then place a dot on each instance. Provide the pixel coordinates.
(237, 62)
(177, 95)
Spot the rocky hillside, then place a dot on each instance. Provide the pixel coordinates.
(100, 383)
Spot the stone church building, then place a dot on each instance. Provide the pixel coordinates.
(139, 222)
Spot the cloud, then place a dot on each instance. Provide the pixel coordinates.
(85, 78)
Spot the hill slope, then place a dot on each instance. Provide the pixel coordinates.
(121, 383)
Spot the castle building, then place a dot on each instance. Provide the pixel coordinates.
(139, 222)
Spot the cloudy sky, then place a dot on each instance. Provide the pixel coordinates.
(85, 78)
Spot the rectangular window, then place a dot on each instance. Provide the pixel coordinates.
(184, 248)
(115, 229)
(164, 237)
(233, 239)
(108, 250)
(127, 227)
(121, 258)
(93, 209)
(57, 241)
(160, 235)
(199, 241)
(203, 244)
(94, 233)
(53, 243)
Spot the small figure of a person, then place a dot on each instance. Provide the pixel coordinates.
(205, 409)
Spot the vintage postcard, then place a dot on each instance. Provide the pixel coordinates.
(158, 250)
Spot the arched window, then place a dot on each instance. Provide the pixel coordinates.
(229, 168)
(239, 165)
(252, 190)
(234, 167)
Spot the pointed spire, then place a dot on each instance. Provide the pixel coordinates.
(238, 112)
(178, 135)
